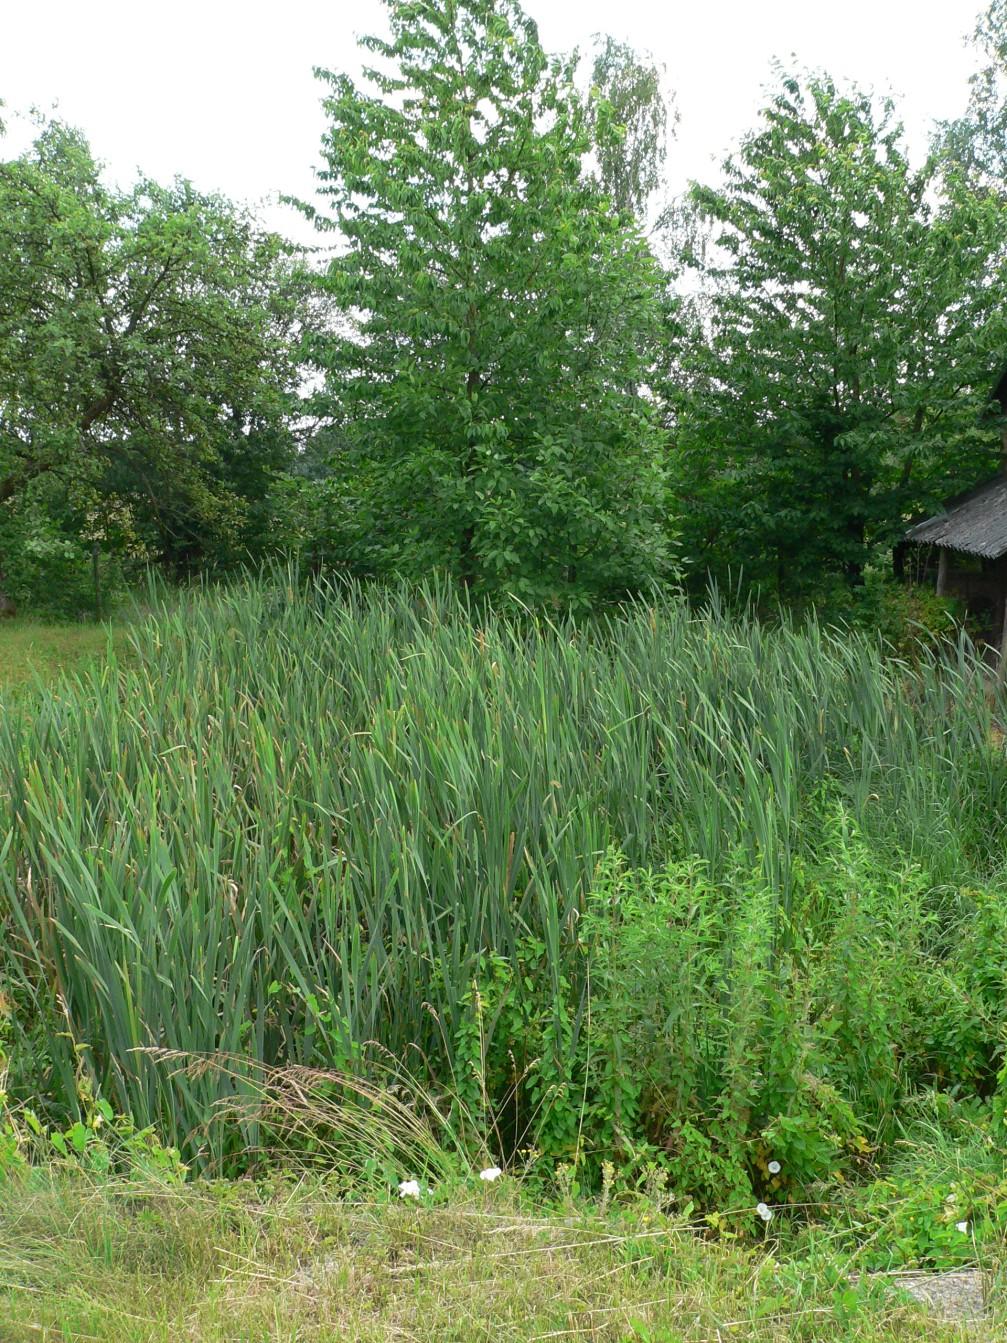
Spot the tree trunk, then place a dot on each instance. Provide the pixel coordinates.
(7, 606)
(855, 568)
(96, 577)
(473, 381)
(17, 480)
(467, 556)
(943, 572)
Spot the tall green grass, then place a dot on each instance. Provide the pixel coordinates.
(293, 822)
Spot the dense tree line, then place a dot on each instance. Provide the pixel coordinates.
(522, 363)
(146, 365)
(852, 334)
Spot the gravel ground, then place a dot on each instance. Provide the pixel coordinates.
(958, 1296)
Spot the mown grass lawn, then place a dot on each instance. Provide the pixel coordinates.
(128, 1263)
(31, 648)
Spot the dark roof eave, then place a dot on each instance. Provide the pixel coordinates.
(975, 523)
(958, 549)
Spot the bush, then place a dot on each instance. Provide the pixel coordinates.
(910, 618)
(49, 569)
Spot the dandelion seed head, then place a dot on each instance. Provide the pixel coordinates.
(409, 1189)
(490, 1174)
(774, 1168)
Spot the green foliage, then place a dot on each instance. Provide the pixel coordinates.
(976, 143)
(714, 1048)
(629, 98)
(855, 332)
(144, 356)
(939, 1205)
(366, 830)
(908, 617)
(68, 562)
(498, 321)
(96, 1142)
(921, 1226)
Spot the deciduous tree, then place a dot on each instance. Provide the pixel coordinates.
(500, 317)
(143, 341)
(630, 111)
(855, 328)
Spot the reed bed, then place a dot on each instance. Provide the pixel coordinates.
(292, 820)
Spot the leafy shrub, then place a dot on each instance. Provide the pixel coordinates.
(909, 617)
(97, 1141)
(916, 1222)
(695, 1001)
(48, 568)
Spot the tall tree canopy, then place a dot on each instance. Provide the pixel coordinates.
(854, 330)
(630, 111)
(143, 346)
(976, 143)
(500, 317)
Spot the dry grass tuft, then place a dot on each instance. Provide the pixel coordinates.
(122, 1263)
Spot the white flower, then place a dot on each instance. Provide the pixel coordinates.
(409, 1189)
(963, 1227)
(764, 1211)
(490, 1174)
(774, 1168)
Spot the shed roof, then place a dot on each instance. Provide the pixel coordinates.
(975, 522)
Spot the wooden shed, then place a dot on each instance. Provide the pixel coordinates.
(969, 539)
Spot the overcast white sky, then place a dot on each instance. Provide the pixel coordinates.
(221, 91)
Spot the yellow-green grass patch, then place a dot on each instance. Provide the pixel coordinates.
(34, 649)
